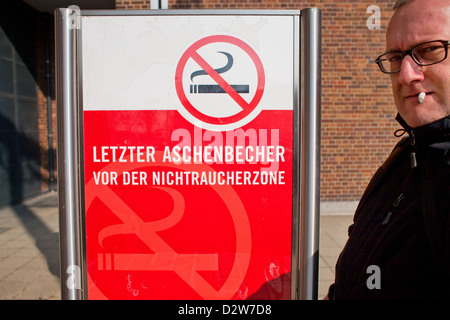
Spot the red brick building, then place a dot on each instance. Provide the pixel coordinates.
(357, 105)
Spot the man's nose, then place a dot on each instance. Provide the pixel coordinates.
(410, 71)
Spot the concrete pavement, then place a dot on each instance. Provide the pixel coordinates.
(29, 247)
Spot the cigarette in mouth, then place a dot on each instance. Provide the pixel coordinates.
(421, 97)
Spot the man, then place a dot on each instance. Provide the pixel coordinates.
(399, 243)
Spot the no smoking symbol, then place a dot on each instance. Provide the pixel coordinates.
(231, 84)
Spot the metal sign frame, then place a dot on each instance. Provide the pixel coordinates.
(306, 161)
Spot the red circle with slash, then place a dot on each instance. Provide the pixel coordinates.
(191, 53)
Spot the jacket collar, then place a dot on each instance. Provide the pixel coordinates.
(438, 131)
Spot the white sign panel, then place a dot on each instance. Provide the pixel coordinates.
(137, 62)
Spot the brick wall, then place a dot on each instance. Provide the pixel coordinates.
(132, 4)
(357, 105)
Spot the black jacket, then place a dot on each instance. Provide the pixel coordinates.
(401, 224)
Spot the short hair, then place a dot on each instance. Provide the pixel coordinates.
(400, 3)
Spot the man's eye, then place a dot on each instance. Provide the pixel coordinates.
(394, 59)
(427, 50)
(432, 48)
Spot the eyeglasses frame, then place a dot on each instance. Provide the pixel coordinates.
(445, 43)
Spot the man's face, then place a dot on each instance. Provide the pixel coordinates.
(414, 23)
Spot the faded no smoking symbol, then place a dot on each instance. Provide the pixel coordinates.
(220, 82)
(114, 252)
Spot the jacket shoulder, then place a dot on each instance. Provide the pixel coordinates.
(398, 150)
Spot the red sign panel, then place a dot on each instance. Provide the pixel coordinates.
(158, 229)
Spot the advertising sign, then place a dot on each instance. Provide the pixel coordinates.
(180, 139)
(188, 125)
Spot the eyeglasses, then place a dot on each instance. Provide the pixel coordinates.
(424, 54)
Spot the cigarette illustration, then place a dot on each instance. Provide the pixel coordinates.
(215, 88)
